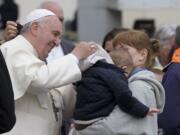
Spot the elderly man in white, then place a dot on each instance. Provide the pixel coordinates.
(32, 78)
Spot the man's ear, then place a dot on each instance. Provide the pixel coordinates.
(34, 28)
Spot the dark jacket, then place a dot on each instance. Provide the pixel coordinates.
(7, 112)
(102, 87)
(67, 46)
(169, 119)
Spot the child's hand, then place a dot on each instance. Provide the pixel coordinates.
(152, 111)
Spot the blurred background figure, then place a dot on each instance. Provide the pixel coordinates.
(148, 25)
(8, 11)
(166, 35)
(71, 27)
(107, 41)
(169, 120)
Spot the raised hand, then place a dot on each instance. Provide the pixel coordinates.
(84, 49)
(10, 30)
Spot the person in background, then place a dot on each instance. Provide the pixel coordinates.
(169, 120)
(166, 36)
(7, 110)
(9, 10)
(32, 77)
(146, 25)
(107, 41)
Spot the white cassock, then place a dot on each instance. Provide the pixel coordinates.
(64, 97)
(31, 80)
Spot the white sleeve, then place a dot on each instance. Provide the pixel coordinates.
(27, 72)
(59, 72)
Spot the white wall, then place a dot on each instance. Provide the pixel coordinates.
(25, 6)
(161, 16)
(162, 11)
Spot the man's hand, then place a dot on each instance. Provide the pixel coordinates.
(84, 49)
(10, 30)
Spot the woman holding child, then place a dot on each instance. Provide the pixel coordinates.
(142, 83)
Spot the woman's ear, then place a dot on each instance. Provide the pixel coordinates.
(144, 54)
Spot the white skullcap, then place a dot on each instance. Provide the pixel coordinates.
(37, 14)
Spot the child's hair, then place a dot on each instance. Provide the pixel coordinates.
(139, 40)
(122, 58)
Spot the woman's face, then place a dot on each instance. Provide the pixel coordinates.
(138, 57)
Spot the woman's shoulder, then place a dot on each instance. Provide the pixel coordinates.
(143, 74)
(144, 78)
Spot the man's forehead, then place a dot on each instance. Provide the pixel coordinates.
(55, 24)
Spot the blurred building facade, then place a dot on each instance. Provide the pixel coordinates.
(96, 17)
